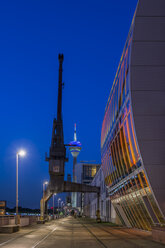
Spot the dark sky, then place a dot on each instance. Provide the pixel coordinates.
(91, 34)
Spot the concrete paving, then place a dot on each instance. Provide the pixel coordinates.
(77, 233)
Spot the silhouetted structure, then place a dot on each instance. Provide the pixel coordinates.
(57, 157)
(57, 153)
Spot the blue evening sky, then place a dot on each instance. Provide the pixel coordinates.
(91, 34)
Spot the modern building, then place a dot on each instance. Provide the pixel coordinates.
(90, 200)
(133, 129)
(75, 148)
(84, 173)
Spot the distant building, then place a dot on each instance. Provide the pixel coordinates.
(133, 129)
(90, 200)
(84, 173)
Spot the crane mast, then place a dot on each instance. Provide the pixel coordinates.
(57, 153)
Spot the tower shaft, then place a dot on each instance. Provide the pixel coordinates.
(57, 133)
(60, 84)
(75, 135)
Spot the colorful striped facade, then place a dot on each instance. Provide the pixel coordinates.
(126, 149)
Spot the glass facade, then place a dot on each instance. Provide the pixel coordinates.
(121, 160)
(89, 172)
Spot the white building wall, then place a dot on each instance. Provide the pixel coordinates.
(107, 211)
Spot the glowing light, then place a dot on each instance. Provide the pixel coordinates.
(22, 153)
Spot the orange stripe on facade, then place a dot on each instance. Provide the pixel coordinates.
(117, 158)
(130, 143)
(125, 160)
(146, 180)
(110, 167)
(126, 146)
(141, 183)
(134, 135)
(114, 162)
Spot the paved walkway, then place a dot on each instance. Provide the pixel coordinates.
(77, 233)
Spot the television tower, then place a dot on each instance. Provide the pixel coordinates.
(75, 148)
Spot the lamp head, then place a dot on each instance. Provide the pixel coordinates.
(22, 153)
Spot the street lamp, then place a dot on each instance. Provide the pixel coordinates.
(53, 205)
(58, 206)
(44, 183)
(20, 153)
(62, 203)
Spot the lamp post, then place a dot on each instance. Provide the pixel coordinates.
(43, 197)
(58, 206)
(53, 205)
(61, 205)
(21, 153)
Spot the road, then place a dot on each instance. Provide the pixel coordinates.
(77, 233)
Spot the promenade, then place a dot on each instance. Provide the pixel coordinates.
(77, 233)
